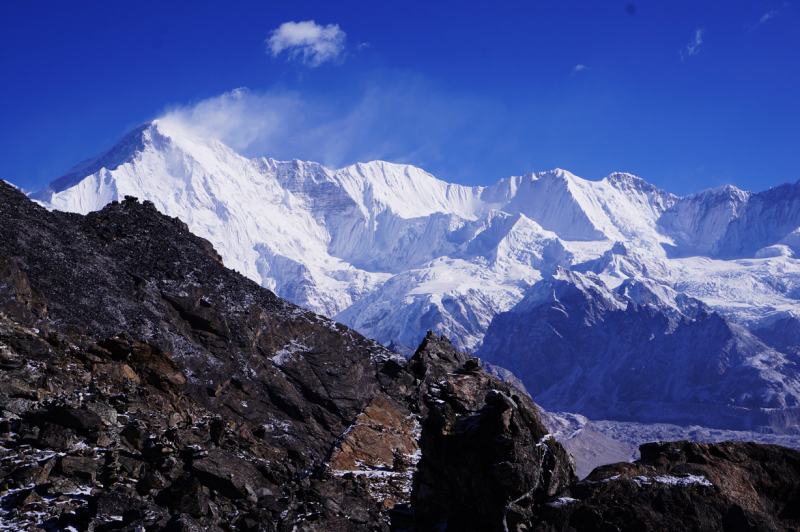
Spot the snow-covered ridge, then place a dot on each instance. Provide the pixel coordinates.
(393, 251)
(642, 352)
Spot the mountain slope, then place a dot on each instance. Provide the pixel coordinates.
(332, 240)
(641, 352)
(394, 252)
(322, 239)
(132, 352)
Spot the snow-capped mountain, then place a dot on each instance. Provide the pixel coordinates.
(642, 352)
(393, 251)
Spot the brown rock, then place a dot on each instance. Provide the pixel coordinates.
(80, 467)
(382, 430)
(117, 372)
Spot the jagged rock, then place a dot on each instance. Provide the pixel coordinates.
(685, 486)
(15, 406)
(18, 297)
(487, 460)
(106, 412)
(80, 467)
(151, 480)
(116, 372)
(29, 475)
(116, 510)
(151, 361)
(134, 433)
(56, 437)
(130, 465)
(383, 431)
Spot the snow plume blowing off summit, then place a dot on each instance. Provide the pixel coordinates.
(394, 117)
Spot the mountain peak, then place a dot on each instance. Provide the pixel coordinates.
(122, 152)
(557, 173)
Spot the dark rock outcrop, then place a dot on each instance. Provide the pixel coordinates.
(174, 388)
(487, 460)
(727, 486)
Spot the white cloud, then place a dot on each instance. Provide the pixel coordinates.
(693, 48)
(578, 68)
(312, 43)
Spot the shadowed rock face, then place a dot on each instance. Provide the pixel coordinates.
(487, 460)
(174, 385)
(157, 298)
(640, 352)
(727, 486)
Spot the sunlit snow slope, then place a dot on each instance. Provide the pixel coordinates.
(392, 251)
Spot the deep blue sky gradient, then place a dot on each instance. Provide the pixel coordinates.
(470, 91)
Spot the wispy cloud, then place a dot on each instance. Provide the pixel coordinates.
(768, 15)
(764, 18)
(579, 68)
(693, 48)
(400, 119)
(308, 41)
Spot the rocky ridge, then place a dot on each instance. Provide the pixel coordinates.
(685, 486)
(144, 380)
(144, 386)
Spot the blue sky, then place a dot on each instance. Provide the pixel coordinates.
(686, 94)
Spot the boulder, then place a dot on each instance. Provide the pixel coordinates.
(184, 495)
(233, 477)
(81, 467)
(685, 486)
(56, 437)
(75, 418)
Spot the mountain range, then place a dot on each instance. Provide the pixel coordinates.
(146, 386)
(536, 272)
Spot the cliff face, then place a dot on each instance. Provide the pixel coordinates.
(487, 460)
